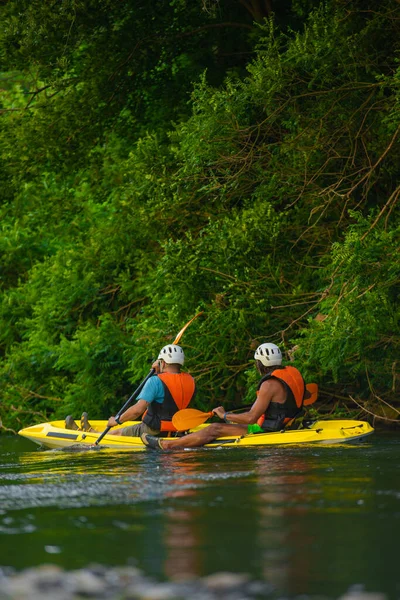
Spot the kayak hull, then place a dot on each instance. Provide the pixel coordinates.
(53, 435)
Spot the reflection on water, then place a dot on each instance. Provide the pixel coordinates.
(56, 478)
(309, 520)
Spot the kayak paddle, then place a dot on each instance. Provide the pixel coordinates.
(189, 418)
(140, 387)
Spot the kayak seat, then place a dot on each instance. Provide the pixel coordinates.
(173, 434)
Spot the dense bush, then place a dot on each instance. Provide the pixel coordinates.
(268, 202)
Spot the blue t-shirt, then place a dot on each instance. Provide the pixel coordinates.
(153, 390)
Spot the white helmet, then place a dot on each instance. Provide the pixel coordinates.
(269, 355)
(172, 354)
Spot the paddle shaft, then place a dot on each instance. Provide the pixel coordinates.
(125, 406)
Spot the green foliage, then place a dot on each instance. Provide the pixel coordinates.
(359, 340)
(137, 189)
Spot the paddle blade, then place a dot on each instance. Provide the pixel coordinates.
(182, 331)
(311, 394)
(188, 418)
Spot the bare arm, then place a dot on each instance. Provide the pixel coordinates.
(131, 414)
(270, 390)
(135, 411)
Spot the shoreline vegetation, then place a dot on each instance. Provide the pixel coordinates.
(242, 162)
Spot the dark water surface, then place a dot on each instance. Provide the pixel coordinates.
(313, 520)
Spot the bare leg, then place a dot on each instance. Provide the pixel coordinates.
(204, 436)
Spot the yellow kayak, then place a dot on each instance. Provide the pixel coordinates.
(54, 435)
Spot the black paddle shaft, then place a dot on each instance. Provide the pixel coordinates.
(125, 406)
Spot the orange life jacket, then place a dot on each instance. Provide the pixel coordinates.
(279, 415)
(179, 390)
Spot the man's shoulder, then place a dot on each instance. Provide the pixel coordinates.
(271, 382)
(153, 383)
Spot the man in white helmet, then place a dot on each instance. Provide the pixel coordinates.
(168, 391)
(280, 396)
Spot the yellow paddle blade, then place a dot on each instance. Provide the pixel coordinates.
(311, 394)
(188, 418)
(182, 331)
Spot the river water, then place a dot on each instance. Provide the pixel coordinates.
(310, 520)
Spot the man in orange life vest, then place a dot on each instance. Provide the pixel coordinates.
(280, 396)
(168, 391)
